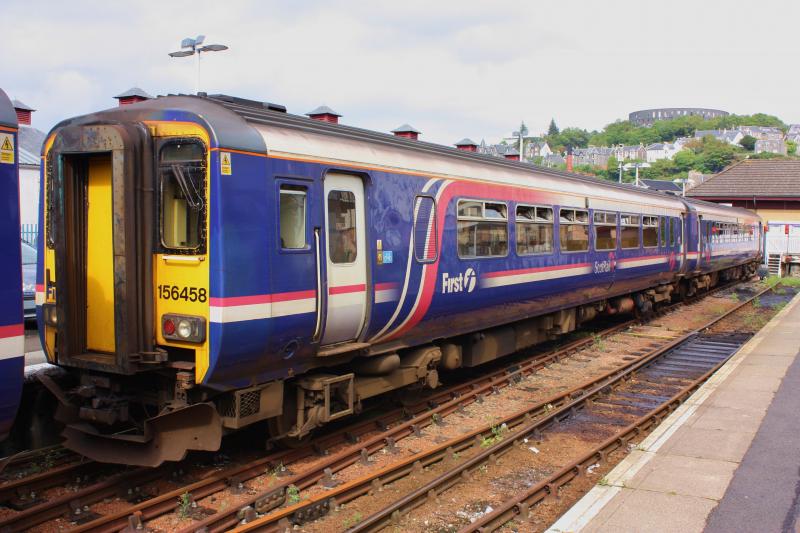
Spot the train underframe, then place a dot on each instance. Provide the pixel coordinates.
(152, 417)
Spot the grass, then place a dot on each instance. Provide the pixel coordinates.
(598, 343)
(352, 520)
(497, 436)
(292, 494)
(184, 505)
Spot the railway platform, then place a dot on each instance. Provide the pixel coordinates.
(727, 460)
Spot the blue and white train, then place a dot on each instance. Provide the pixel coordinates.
(12, 331)
(209, 262)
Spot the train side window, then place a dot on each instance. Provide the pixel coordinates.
(342, 226)
(650, 231)
(293, 217)
(663, 231)
(673, 235)
(630, 231)
(573, 230)
(482, 229)
(605, 230)
(534, 230)
(182, 196)
(425, 230)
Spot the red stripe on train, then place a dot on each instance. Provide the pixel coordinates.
(14, 330)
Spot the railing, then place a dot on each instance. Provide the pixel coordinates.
(29, 233)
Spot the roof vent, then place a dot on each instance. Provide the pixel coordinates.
(325, 114)
(132, 96)
(23, 112)
(468, 145)
(409, 132)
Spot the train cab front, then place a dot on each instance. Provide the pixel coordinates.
(124, 287)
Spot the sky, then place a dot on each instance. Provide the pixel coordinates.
(451, 69)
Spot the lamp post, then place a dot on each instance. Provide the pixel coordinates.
(195, 47)
(523, 131)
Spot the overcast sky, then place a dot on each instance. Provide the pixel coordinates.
(451, 69)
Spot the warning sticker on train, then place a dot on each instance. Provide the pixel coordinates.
(6, 149)
(225, 163)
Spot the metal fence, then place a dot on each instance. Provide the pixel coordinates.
(29, 233)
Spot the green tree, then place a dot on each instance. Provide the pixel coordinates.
(748, 142)
(791, 147)
(553, 129)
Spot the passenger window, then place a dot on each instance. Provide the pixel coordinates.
(650, 231)
(573, 230)
(482, 229)
(342, 226)
(605, 231)
(182, 196)
(676, 232)
(534, 230)
(425, 231)
(672, 233)
(630, 231)
(663, 231)
(293, 217)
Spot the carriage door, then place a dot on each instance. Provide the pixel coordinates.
(345, 227)
(701, 241)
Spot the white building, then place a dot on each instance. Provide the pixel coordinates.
(658, 151)
(30, 148)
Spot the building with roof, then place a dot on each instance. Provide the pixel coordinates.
(767, 133)
(595, 156)
(646, 117)
(728, 136)
(30, 148)
(664, 186)
(772, 146)
(658, 151)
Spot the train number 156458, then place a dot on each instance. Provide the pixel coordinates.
(188, 294)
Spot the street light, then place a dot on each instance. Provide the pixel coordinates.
(194, 47)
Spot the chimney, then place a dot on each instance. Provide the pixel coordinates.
(468, 145)
(325, 114)
(407, 131)
(23, 112)
(512, 154)
(569, 158)
(132, 96)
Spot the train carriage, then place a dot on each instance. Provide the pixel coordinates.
(12, 331)
(212, 262)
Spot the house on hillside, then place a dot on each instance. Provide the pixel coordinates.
(794, 129)
(553, 160)
(766, 133)
(538, 149)
(633, 152)
(773, 146)
(595, 156)
(728, 136)
(658, 151)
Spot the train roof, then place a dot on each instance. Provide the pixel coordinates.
(285, 132)
(263, 127)
(720, 212)
(8, 117)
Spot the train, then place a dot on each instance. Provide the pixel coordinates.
(209, 262)
(12, 329)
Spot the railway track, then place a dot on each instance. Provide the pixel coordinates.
(92, 485)
(669, 373)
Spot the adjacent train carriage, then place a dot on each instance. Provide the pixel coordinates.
(212, 262)
(12, 331)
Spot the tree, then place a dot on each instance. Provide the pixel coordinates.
(791, 147)
(748, 142)
(553, 129)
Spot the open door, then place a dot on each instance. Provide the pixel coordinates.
(346, 258)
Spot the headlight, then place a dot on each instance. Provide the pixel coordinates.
(183, 328)
(28, 287)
